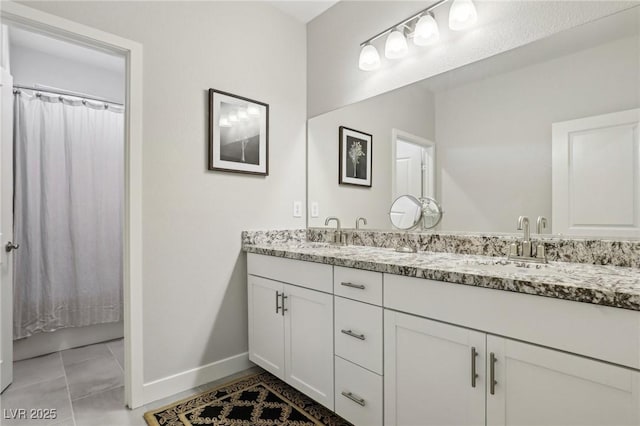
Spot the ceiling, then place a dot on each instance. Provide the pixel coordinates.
(303, 10)
(19, 37)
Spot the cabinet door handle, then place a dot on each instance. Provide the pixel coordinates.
(354, 398)
(283, 308)
(352, 334)
(474, 375)
(352, 285)
(492, 373)
(277, 302)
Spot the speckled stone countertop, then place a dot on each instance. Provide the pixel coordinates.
(605, 285)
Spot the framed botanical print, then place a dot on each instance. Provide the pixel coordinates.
(238, 134)
(355, 157)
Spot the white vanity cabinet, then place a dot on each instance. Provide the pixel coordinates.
(429, 366)
(290, 326)
(546, 387)
(434, 372)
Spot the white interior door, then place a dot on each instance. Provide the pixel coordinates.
(596, 175)
(543, 387)
(408, 169)
(6, 229)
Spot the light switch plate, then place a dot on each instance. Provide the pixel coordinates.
(315, 210)
(297, 209)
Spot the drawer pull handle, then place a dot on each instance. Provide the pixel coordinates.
(277, 304)
(354, 398)
(282, 307)
(352, 334)
(492, 373)
(474, 375)
(352, 285)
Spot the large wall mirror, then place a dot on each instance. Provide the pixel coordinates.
(549, 129)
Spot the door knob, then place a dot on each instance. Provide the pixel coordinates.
(11, 246)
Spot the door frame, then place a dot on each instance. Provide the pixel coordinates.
(58, 27)
(417, 140)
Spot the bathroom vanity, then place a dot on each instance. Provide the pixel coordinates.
(439, 338)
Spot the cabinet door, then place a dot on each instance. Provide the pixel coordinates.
(428, 369)
(266, 324)
(540, 386)
(309, 343)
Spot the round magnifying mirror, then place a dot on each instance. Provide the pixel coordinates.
(431, 212)
(405, 212)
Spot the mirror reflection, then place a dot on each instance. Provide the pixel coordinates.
(549, 129)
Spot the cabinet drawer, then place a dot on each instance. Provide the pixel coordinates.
(358, 333)
(365, 286)
(316, 276)
(601, 332)
(358, 394)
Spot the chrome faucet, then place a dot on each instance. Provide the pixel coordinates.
(523, 225)
(338, 236)
(525, 251)
(360, 219)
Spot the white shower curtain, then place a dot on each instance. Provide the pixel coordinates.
(69, 182)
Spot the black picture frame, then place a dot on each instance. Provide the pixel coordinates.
(353, 170)
(240, 145)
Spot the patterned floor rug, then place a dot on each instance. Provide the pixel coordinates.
(257, 400)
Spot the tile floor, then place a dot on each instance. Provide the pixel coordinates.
(84, 385)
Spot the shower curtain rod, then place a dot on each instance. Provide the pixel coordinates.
(65, 93)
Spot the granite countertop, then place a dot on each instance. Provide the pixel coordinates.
(605, 285)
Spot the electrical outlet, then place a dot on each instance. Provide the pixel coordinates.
(315, 210)
(297, 209)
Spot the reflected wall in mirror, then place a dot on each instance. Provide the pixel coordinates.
(549, 129)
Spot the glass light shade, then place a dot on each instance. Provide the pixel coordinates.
(462, 15)
(242, 114)
(396, 45)
(253, 111)
(224, 122)
(233, 118)
(426, 31)
(369, 58)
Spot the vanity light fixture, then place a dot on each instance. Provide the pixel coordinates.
(462, 15)
(396, 45)
(427, 31)
(422, 27)
(369, 58)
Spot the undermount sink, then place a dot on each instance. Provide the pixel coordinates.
(515, 267)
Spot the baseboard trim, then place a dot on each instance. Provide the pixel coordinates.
(186, 380)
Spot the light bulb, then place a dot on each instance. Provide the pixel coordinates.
(253, 111)
(396, 45)
(242, 115)
(369, 58)
(233, 118)
(426, 31)
(462, 15)
(224, 122)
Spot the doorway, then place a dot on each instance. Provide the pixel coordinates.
(413, 165)
(131, 52)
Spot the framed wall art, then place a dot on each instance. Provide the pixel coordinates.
(238, 134)
(355, 157)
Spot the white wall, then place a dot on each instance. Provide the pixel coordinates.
(194, 272)
(333, 40)
(493, 136)
(30, 67)
(409, 109)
